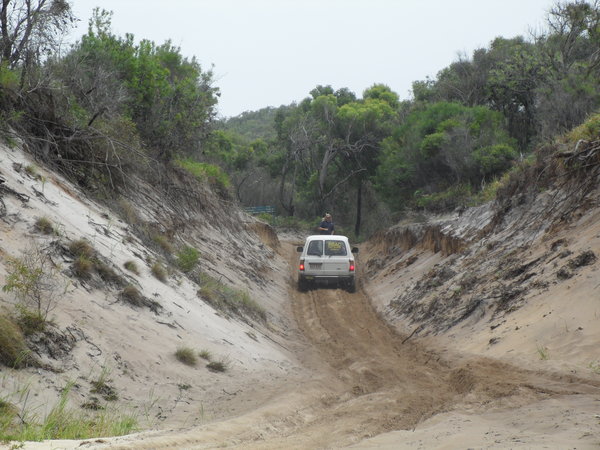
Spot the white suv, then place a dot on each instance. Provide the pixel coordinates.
(327, 259)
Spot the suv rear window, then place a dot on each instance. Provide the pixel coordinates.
(315, 248)
(335, 248)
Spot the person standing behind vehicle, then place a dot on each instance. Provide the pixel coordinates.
(326, 226)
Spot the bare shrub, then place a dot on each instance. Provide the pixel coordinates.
(35, 281)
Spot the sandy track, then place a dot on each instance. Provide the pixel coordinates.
(365, 379)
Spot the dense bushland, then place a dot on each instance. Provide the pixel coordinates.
(111, 105)
(364, 158)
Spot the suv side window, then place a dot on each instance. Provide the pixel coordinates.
(315, 248)
(335, 248)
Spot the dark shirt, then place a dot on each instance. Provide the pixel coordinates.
(328, 225)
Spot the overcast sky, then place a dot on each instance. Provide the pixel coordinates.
(273, 52)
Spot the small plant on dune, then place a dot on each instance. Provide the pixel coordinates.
(159, 272)
(132, 295)
(29, 321)
(163, 242)
(543, 352)
(44, 225)
(595, 367)
(65, 423)
(132, 267)
(82, 267)
(128, 211)
(225, 298)
(187, 356)
(35, 281)
(108, 274)
(187, 258)
(13, 350)
(102, 386)
(205, 354)
(218, 366)
(82, 248)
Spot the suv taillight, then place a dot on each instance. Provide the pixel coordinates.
(301, 267)
(351, 266)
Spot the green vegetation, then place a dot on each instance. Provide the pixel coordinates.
(131, 266)
(188, 258)
(44, 225)
(163, 243)
(205, 354)
(13, 349)
(224, 298)
(35, 281)
(132, 295)
(159, 272)
(83, 267)
(82, 249)
(218, 366)
(187, 356)
(62, 423)
(543, 352)
(131, 107)
(205, 172)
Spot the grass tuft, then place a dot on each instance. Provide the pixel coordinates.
(187, 258)
(159, 272)
(543, 352)
(224, 298)
(163, 243)
(187, 356)
(65, 423)
(44, 225)
(82, 267)
(132, 267)
(82, 248)
(218, 366)
(13, 349)
(205, 354)
(132, 295)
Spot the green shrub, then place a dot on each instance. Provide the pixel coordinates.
(187, 356)
(187, 258)
(447, 200)
(214, 175)
(589, 130)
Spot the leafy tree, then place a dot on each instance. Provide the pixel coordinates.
(168, 97)
(440, 145)
(31, 30)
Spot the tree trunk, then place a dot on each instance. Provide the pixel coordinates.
(358, 208)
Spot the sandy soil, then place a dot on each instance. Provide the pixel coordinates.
(370, 387)
(329, 370)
